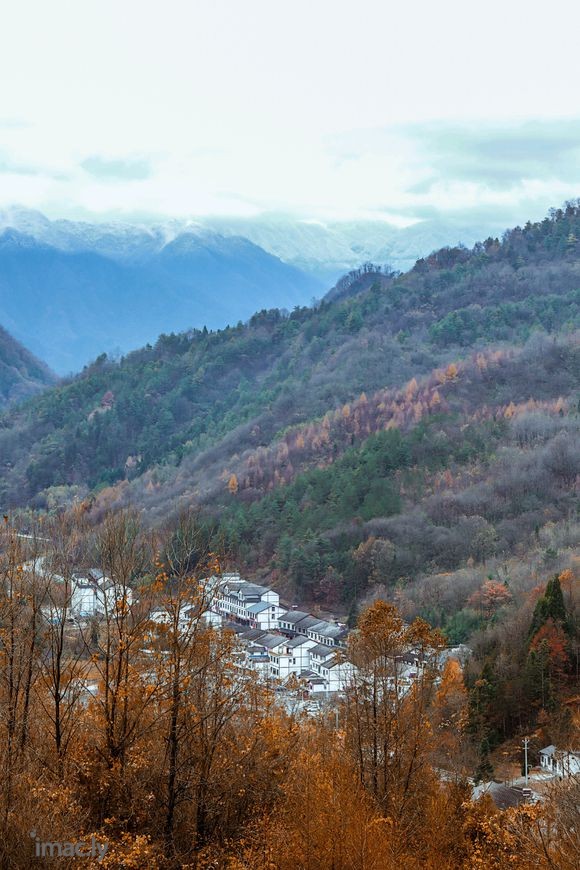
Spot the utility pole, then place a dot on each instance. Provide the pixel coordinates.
(526, 744)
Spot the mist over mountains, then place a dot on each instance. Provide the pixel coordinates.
(324, 249)
(328, 250)
(71, 290)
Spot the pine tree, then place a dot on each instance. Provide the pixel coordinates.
(555, 599)
(550, 606)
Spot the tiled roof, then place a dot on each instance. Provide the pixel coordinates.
(270, 641)
(505, 796)
(322, 651)
(297, 641)
(258, 607)
(293, 616)
(251, 634)
(308, 623)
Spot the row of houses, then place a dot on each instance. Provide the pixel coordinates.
(255, 606)
(280, 642)
(276, 656)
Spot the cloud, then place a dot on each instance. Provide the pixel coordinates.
(9, 166)
(13, 124)
(497, 156)
(117, 169)
(495, 173)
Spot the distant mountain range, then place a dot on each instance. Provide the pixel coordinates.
(21, 374)
(324, 249)
(71, 290)
(328, 250)
(70, 304)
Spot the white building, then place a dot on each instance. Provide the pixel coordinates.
(257, 659)
(328, 633)
(337, 673)
(94, 594)
(240, 600)
(299, 648)
(187, 613)
(319, 655)
(559, 762)
(286, 656)
(264, 615)
(319, 630)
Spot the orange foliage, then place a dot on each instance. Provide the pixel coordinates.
(491, 597)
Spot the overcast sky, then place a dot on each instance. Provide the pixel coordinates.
(318, 108)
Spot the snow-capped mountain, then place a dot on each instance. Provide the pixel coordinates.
(73, 301)
(323, 249)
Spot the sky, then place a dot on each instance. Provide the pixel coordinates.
(319, 110)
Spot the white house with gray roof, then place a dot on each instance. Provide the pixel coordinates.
(560, 762)
(328, 633)
(264, 615)
(290, 619)
(242, 601)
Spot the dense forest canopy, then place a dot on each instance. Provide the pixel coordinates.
(190, 391)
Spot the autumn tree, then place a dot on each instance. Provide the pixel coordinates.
(490, 597)
(123, 709)
(66, 660)
(388, 731)
(18, 620)
(449, 719)
(547, 664)
(375, 559)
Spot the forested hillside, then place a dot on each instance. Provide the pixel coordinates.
(434, 412)
(21, 374)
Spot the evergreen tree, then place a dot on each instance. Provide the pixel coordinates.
(555, 599)
(549, 606)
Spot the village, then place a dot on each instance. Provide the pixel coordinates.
(300, 657)
(283, 647)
